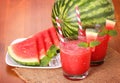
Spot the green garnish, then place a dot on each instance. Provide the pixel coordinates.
(103, 32)
(91, 44)
(94, 43)
(45, 61)
(109, 32)
(52, 51)
(112, 32)
(50, 54)
(83, 44)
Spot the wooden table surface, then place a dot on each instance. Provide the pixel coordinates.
(22, 18)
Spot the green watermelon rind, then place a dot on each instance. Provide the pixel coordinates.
(22, 61)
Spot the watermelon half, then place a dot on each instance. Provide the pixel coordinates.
(25, 52)
(88, 13)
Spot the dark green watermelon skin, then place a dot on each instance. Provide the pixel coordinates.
(92, 12)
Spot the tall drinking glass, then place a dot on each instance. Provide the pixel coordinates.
(75, 60)
(99, 54)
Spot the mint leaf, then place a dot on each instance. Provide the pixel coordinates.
(50, 54)
(103, 32)
(45, 61)
(83, 44)
(112, 32)
(52, 51)
(94, 43)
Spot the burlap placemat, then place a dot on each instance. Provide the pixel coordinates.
(109, 72)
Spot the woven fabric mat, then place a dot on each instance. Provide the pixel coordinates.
(109, 72)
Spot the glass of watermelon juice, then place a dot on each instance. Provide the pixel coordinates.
(98, 55)
(75, 60)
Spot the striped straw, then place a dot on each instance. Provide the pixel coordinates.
(79, 21)
(59, 30)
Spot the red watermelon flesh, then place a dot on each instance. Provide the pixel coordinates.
(25, 52)
(47, 40)
(54, 36)
(40, 45)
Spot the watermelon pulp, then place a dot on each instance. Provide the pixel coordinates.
(74, 61)
(25, 52)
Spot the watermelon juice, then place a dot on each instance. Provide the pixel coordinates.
(99, 54)
(75, 60)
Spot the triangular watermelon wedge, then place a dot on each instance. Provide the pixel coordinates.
(47, 39)
(110, 24)
(40, 45)
(25, 52)
(54, 36)
(91, 35)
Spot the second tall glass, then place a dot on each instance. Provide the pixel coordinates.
(99, 53)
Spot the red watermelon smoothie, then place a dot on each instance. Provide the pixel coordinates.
(97, 57)
(75, 60)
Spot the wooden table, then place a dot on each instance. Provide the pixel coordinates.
(21, 18)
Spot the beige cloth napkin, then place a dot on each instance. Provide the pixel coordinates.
(109, 72)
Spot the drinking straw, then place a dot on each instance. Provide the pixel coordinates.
(79, 20)
(59, 30)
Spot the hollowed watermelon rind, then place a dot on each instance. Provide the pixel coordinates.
(28, 62)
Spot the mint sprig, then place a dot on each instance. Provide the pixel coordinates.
(45, 61)
(103, 32)
(109, 32)
(83, 44)
(52, 51)
(91, 44)
(94, 43)
(49, 55)
(112, 32)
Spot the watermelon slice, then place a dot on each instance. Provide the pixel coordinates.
(36, 50)
(91, 35)
(25, 52)
(110, 24)
(54, 36)
(40, 45)
(110, 28)
(47, 40)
